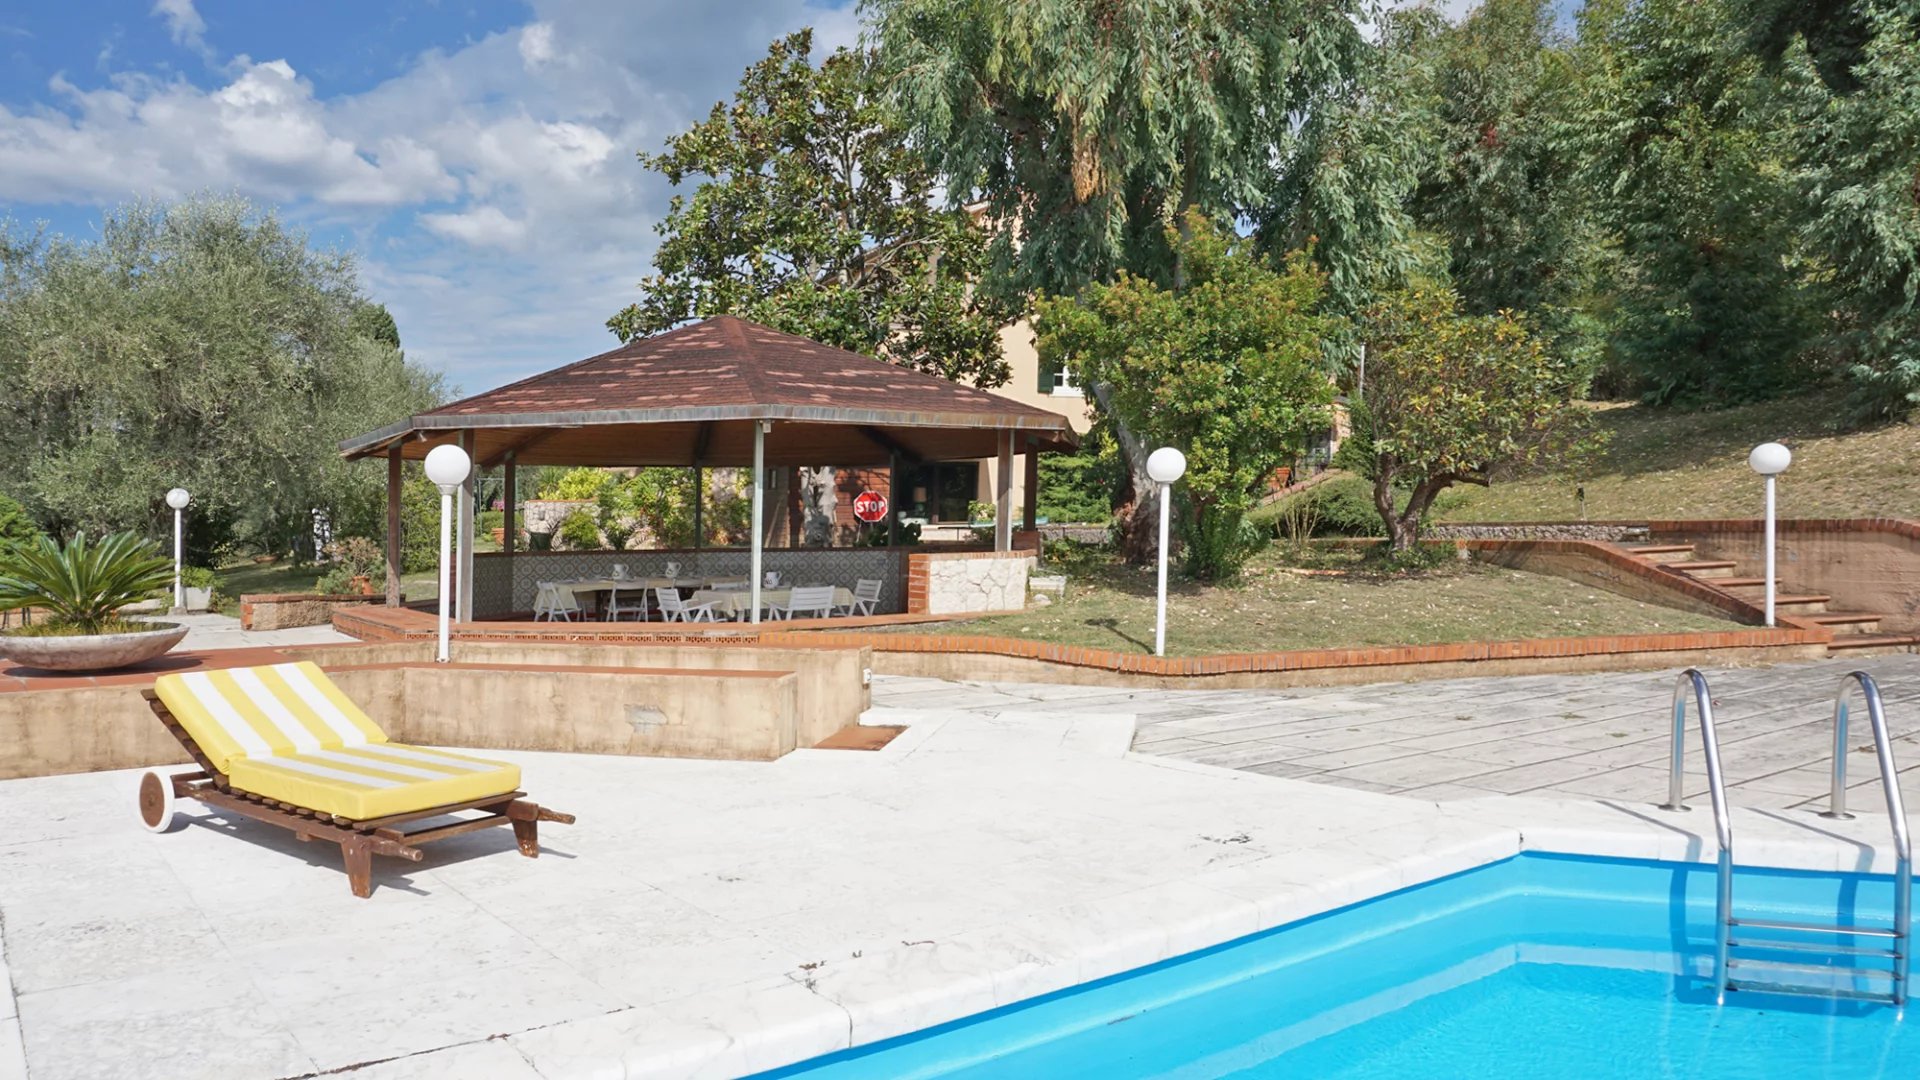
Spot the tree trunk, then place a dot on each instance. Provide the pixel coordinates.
(818, 495)
(1139, 521)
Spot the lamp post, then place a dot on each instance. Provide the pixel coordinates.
(178, 499)
(1164, 466)
(447, 467)
(1770, 460)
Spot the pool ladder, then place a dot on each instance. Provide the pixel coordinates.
(1732, 961)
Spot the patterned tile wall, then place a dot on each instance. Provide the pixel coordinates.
(503, 584)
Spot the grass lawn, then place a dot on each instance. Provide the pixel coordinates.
(287, 577)
(1668, 464)
(1273, 607)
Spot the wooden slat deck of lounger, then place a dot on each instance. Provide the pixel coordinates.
(359, 841)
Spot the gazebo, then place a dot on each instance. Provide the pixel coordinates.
(724, 392)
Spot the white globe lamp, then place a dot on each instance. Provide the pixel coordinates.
(1770, 459)
(1164, 466)
(178, 500)
(447, 466)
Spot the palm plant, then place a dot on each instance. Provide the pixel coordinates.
(82, 585)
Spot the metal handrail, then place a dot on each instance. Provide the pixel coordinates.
(1692, 681)
(1896, 807)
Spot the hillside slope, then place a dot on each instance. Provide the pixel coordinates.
(1667, 464)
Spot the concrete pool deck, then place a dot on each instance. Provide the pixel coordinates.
(718, 918)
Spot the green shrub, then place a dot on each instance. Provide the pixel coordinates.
(16, 526)
(580, 531)
(578, 485)
(1343, 508)
(199, 577)
(83, 585)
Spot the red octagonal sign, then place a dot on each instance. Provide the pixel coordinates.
(870, 506)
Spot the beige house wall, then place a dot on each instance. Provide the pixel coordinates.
(1023, 385)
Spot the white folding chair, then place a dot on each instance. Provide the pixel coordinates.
(674, 609)
(553, 601)
(866, 594)
(638, 610)
(817, 599)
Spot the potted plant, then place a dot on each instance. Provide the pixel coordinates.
(197, 584)
(80, 587)
(356, 561)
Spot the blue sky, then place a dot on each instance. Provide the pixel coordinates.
(477, 155)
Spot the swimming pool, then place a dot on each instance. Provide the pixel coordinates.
(1540, 966)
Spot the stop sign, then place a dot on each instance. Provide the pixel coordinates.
(870, 506)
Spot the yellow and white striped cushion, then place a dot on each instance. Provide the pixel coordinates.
(265, 711)
(374, 780)
(286, 732)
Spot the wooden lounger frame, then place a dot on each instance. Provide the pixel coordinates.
(359, 841)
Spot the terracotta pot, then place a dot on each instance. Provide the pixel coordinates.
(93, 652)
(265, 559)
(363, 584)
(500, 537)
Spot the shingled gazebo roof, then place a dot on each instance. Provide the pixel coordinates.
(691, 395)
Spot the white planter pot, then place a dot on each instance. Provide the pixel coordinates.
(98, 652)
(198, 599)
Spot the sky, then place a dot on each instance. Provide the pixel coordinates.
(478, 156)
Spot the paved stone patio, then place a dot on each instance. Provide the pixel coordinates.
(1582, 736)
(210, 630)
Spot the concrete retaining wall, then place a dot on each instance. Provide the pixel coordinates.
(738, 701)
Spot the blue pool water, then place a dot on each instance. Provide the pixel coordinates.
(1539, 967)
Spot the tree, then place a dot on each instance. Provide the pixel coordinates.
(200, 344)
(1678, 131)
(1451, 399)
(817, 219)
(1227, 367)
(1497, 184)
(1091, 129)
(1855, 101)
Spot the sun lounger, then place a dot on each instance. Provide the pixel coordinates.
(282, 744)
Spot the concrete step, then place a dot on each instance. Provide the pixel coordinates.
(1807, 604)
(1858, 644)
(1650, 550)
(1849, 622)
(1711, 568)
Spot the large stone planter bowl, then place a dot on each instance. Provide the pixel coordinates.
(93, 652)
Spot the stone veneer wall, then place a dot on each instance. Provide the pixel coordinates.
(1612, 532)
(957, 583)
(279, 611)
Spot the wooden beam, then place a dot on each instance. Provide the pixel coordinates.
(525, 442)
(888, 443)
(1003, 496)
(395, 545)
(509, 483)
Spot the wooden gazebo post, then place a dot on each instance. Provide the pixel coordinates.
(760, 428)
(394, 546)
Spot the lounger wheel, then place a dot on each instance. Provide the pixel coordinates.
(156, 801)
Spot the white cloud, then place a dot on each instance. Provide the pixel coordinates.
(493, 188)
(184, 24)
(536, 45)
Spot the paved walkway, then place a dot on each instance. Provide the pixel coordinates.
(207, 631)
(1588, 736)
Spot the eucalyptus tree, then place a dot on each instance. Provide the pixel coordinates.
(1088, 130)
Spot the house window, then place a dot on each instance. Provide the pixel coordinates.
(1064, 386)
